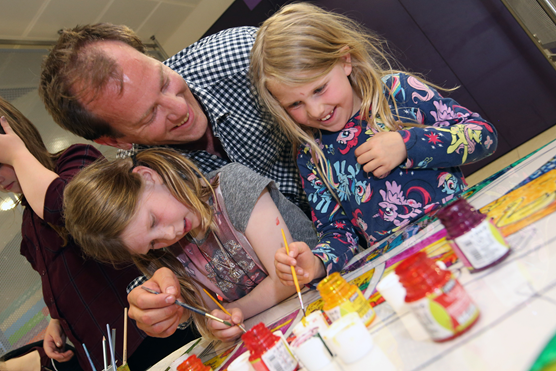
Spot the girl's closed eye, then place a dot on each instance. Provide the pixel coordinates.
(320, 90)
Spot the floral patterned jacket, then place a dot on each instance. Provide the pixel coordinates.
(373, 208)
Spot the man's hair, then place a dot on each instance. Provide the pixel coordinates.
(74, 69)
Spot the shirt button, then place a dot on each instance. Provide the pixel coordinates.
(214, 157)
(278, 185)
(43, 273)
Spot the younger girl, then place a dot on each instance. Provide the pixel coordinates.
(159, 211)
(376, 148)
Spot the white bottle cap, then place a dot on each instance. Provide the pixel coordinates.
(241, 363)
(349, 338)
(393, 292)
(312, 353)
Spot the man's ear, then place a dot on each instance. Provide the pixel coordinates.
(113, 142)
(149, 176)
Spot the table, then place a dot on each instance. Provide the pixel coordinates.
(517, 298)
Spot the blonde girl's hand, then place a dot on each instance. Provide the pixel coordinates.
(381, 153)
(307, 266)
(10, 143)
(224, 332)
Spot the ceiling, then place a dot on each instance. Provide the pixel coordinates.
(174, 23)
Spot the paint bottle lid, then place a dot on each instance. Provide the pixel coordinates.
(420, 275)
(311, 351)
(258, 340)
(334, 289)
(241, 363)
(192, 363)
(349, 338)
(459, 217)
(393, 292)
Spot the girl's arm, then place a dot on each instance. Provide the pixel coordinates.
(264, 233)
(338, 242)
(33, 177)
(454, 135)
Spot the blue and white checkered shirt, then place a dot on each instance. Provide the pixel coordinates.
(216, 70)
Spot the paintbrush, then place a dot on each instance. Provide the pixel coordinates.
(224, 309)
(295, 281)
(193, 309)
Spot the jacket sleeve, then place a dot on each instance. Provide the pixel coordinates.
(337, 239)
(453, 135)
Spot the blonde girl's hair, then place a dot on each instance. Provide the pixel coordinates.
(301, 43)
(101, 200)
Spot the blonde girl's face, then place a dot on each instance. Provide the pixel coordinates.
(160, 220)
(326, 103)
(8, 179)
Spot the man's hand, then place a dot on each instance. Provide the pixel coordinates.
(224, 332)
(157, 315)
(55, 341)
(381, 153)
(307, 266)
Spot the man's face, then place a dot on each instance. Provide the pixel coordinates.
(155, 105)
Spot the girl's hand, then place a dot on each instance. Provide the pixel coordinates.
(10, 143)
(224, 332)
(381, 153)
(55, 341)
(307, 266)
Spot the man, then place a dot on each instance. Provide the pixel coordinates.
(98, 84)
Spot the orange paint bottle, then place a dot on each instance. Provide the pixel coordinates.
(192, 363)
(341, 298)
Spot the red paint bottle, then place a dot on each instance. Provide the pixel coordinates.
(268, 351)
(436, 298)
(192, 363)
(478, 243)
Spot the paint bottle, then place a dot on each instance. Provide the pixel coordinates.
(268, 351)
(477, 242)
(436, 298)
(313, 353)
(192, 363)
(341, 298)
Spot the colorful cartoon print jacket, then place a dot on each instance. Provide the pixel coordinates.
(430, 176)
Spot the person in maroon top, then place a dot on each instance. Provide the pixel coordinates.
(82, 295)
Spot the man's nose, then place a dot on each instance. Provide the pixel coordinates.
(176, 107)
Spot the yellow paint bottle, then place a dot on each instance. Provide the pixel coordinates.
(341, 298)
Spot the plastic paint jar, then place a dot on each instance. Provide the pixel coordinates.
(341, 298)
(477, 242)
(436, 298)
(312, 352)
(192, 363)
(268, 351)
(313, 320)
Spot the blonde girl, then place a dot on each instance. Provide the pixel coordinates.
(219, 233)
(376, 147)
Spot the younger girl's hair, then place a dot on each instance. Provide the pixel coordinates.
(301, 43)
(101, 200)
